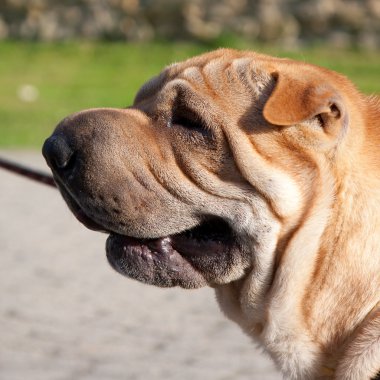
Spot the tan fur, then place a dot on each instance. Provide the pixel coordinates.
(293, 165)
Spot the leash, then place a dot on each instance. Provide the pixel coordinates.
(27, 172)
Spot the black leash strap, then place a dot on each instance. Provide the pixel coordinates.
(27, 172)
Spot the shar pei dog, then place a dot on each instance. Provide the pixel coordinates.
(256, 176)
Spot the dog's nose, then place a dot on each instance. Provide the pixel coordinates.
(57, 152)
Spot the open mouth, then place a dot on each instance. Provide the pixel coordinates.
(181, 259)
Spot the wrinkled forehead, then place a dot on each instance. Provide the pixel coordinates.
(210, 68)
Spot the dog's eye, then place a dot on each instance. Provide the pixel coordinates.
(189, 121)
(190, 124)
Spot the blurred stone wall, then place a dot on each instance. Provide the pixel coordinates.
(288, 22)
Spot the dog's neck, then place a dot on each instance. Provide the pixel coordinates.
(330, 267)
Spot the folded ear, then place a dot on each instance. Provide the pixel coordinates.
(297, 99)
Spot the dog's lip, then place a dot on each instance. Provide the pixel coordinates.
(176, 260)
(88, 222)
(153, 261)
(173, 260)
(78, 211)
(182, 242)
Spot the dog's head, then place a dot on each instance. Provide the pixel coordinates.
(205, 177)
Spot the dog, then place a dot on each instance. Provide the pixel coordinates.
(256, 176)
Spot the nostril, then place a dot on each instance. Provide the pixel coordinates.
(57, 152)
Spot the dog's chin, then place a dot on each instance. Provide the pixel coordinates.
(190, 258)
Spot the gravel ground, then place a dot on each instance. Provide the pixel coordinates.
(66, 315)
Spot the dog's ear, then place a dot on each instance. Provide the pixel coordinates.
(297, 99)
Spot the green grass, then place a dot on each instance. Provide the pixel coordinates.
(73, 76)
